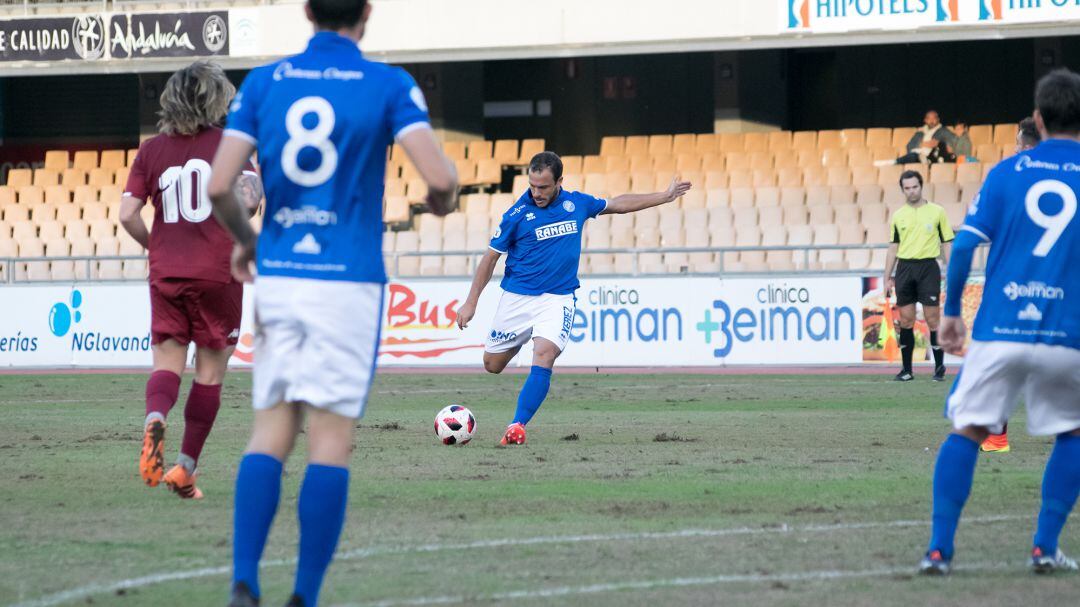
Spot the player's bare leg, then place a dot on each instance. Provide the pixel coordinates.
(907, 341)
(495, 362)
(323, 497)
(200, 411)
(162, 389)
(534, 391)
(933, 320)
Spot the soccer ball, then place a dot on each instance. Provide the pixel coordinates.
(454, 425)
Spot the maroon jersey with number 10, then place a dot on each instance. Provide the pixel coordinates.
(172, 173)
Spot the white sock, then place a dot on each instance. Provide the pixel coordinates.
(153, 415)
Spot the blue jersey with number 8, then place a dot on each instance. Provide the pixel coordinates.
(321, 122)
(1027, 209)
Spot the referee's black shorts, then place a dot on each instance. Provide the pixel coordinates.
(918, 280)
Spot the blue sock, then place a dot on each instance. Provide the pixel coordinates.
(1061, 484)
(258, 488)
(532, 394)
(953, 475)
(322, 515)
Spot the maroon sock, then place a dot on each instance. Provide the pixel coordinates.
(162, 390)
(199, 414)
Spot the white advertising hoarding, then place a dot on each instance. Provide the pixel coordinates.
(810, 16)
(618, 322)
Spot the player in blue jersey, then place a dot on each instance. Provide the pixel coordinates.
(1026, 338)
(541, 238)
(321, 121)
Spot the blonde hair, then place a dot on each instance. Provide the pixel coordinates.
(194, 98)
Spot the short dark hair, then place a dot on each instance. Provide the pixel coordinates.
(1029, 133)
(547, 160)
(1057, 97)
(910, 175)
(337, 14)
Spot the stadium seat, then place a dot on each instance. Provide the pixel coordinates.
(792, 196)
(764, 178)
(50, 230)
(981, 133)
(636, 145)
(85, 159)
(7, 196)
(479, 150)
(23, 230)
(454, 150)
(770, 216)
(877, 233)
(968, 191)
(660, 145)
(864, 175)
(789, 177)
(740, 178)
(773, 236)
(1005, 134)
(683, 144)
(988, 154)
(804, 140)
(943, 173)
(858, 259)
(112, 159)
(612, 146)
(46, 177)
(73, 178)
(131, 154)
(779, 141)
(834, 157)
(828, 139)
(767, 197)
(16, 212)
(730, 142)
(946, 193)
(19, 178)
(41, 212)
(868, 195)
(397, 210)
(853, 138)
(530, 148)
(57, 194)
(846, 213)
(505, 151)
(56, 160)
(707, 143)
(889, 176)
(842, 194)
(755, 142)
(821, 214)
(969, 172)
(795, 216)
(30, 195)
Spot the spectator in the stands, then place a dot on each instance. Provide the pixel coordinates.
(929, 144)
(961, 146)
(1027, 136)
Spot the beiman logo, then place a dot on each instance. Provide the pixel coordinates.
(1033, 290)
(798, 14)
(948, 10)
(990, 10)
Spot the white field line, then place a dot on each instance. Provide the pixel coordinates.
(362, 553)
(565, 591)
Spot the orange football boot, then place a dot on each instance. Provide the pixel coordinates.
(515, 435)
(183, 484)
(996, 443)
(151, 460)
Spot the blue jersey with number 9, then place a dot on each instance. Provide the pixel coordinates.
(321, 122)
(1027, 209)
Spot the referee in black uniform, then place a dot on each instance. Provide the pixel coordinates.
(920, 235)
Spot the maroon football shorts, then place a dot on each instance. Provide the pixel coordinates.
(192, 310)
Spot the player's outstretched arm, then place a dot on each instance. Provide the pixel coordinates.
(484, 270)
(232, 156)
(132, 220)
(629, 203)
(434, 167)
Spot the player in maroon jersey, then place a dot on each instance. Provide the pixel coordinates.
(193, 297)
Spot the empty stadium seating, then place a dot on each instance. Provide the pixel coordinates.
(778, 189)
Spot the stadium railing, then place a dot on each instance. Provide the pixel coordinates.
(86, 264)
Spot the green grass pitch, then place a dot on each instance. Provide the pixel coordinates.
(633, 490)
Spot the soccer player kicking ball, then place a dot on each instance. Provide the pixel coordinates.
(193, 297)
(322, 121)
(1026, 338)
(541, 237)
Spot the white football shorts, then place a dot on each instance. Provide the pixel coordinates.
(316, 342)
(996, 373)
(523, 317)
